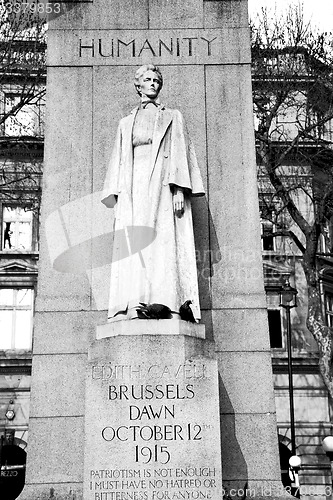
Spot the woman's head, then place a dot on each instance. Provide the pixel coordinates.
(148, 80)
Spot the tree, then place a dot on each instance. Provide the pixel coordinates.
(293, 105)
(22, 101)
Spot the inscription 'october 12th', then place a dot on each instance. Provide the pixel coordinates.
(176, 46)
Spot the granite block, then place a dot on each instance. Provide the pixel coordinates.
(233, 197)
(103, 14)
(227, 294)
(175, 14)
(68, 153)
(250, 447)
(178, 347)
(59, 291)
(67, 178)
(58, 385)
(65, 332)
(225, 13)
(241, 330)
(55, 450)
(68, 491)
(241, 382)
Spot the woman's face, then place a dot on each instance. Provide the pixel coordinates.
(149, 84)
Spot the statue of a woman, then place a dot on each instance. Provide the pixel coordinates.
(152, 176)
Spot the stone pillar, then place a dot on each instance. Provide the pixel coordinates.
(238, 308)
(203, 49)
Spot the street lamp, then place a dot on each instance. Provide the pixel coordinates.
(328, 449)
(294, 467)
(10, 413)
(288, 301)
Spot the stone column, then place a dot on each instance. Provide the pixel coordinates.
(238, 308)
(204, 52)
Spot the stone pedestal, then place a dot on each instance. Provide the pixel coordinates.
(152, 427)
(149, 327)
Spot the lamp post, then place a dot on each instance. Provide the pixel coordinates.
(328, 449)
(288, 301)
(294, 467)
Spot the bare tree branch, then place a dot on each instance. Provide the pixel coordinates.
(293, 106)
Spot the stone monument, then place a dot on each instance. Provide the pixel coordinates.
(150, 409)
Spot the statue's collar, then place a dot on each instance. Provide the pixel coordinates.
(160, 107)
(145, 101)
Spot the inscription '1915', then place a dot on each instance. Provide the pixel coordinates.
(176, 46)
(155, 453)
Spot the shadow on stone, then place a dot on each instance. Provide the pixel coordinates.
(207, 253)
(232, 456)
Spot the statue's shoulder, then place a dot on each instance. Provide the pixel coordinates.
(128, 118)
(174, 113)
(132, 112)
(170, 110)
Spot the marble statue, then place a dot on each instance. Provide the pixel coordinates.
(153, 174)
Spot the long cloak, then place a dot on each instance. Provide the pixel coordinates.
(153, 257)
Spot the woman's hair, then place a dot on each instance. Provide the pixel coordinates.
(142, 70)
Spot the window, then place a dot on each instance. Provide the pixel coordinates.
(16, 228)
(267, 231)
(326, 238)
(329, 309)
(13, 457)
(26, 121)
(267, 220)
(16, 307)
(274, 325)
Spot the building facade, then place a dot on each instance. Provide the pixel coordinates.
(293, 123)
(22, 104)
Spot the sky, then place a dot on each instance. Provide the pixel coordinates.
(320, 12)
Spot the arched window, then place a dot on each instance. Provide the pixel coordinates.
(12, 467)
(285, 454)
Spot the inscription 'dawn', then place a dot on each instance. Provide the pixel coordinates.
(189, 46)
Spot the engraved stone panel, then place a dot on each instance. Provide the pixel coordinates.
(136, 47)
(146, 434)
